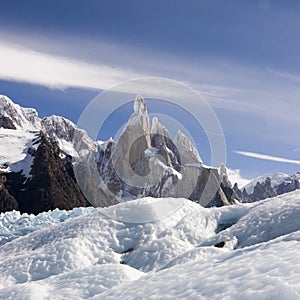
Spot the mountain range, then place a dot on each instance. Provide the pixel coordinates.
(51, 163)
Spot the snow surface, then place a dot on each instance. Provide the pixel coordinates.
(14, 145)
(83, 253)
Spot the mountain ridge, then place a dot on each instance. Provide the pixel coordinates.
(144, 161)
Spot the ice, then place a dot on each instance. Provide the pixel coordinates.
(245, 251)
(13, 224)
(268, 271)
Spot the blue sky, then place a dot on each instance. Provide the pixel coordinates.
(242, 56)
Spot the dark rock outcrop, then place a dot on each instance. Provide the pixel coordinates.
(7, 201)
(264, 189)
(52, 183)
(7, 123)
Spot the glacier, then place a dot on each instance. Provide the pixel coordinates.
(248, 251)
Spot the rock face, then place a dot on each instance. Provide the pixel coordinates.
(59, 166)
(188, 152)
(52, 183)
(7, 123)
(43, 178)
(7, 201)
(146, 162)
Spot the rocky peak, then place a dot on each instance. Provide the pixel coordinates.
(188, 152)
(224, 176)
(17, 116)
(59, 127)
(161, 140)
(139, 105)
(135, 138)
(166, 168)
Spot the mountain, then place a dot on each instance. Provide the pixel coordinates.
(145, 161)
(268, 185)
(50, 163)
(36, 160)
(248, 251)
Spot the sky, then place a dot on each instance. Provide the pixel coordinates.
(241, 56)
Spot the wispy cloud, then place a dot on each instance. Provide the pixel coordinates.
(286, 75)
(26, 65)
(268, 157)
(23, 64)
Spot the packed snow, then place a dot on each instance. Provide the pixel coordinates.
(246, 251)
(69, 137)
(14, 145)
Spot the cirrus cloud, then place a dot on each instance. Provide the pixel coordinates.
(268, 157)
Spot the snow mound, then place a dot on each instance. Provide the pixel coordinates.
(268, 271)
(248, 251)
(266, 220)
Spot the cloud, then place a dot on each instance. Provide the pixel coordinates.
(236, 177)
(26, 65)
(285, 75)
(268, 157)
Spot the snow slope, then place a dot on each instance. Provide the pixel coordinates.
(14, 145)
(83, 253)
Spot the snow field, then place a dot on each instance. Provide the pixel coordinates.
(82, 254)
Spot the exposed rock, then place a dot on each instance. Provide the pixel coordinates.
(142, 162)
(148, 163)
(266, 189)
(220, 244)
(7, 201)
(52, 183)
(224, 176)
(161, 140)
(237, 191)
(289, 186)
(128, 154)
(188, 152)
(7, 123)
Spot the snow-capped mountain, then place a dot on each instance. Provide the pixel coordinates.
(268, 185)
(144, 161)
(146, 248)
(248, 251)
(36, 160)
(276, 178)
(13, 116)
(51, 163)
